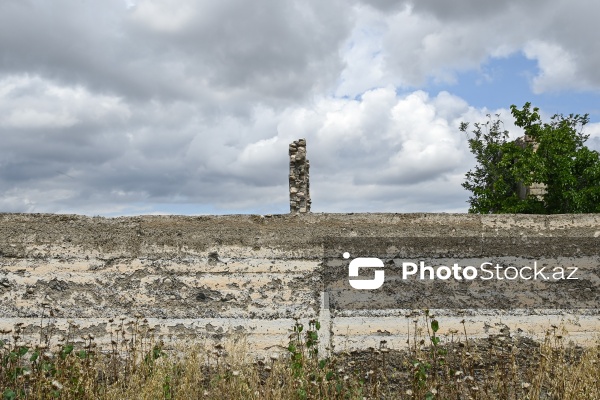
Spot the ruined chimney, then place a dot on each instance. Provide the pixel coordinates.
(299, 185)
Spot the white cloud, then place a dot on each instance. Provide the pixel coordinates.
(37, 119)
(385, 145)
(558, 69)
(594, 140)
(363, 55)
(164, 16)
(33, 102)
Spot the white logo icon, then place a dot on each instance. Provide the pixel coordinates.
(365, 262)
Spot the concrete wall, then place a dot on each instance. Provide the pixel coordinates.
(214, 276)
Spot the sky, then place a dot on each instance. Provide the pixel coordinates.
(130, 107)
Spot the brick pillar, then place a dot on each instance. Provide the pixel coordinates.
(299, 184)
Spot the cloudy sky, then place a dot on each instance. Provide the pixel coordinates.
(125, 107)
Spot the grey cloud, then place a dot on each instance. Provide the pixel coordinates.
(385, 5)
(464, 10)
(456, 10)
(229, 50)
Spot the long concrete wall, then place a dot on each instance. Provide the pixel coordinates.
(216, 276)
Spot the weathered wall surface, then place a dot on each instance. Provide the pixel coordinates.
(213, 276)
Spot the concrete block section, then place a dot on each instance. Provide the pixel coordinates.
(195, 275)
(360, 332)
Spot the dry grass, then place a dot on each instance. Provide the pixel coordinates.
(449, 366)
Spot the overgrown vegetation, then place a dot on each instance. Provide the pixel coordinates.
(569, 170)
(436, 365)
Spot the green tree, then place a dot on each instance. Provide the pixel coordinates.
(568, 169)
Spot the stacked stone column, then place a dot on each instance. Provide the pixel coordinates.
(299, 183)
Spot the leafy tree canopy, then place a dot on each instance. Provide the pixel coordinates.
(552, 153)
